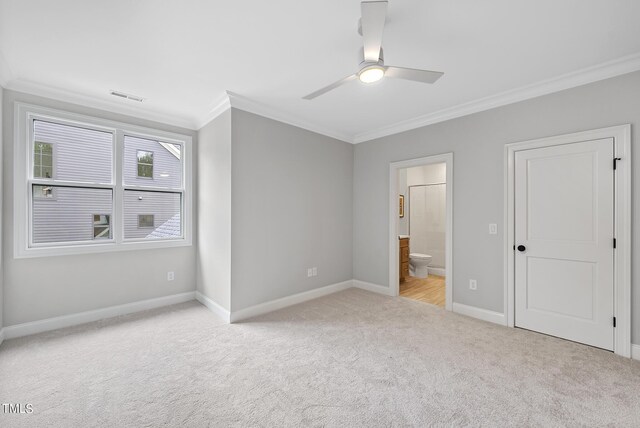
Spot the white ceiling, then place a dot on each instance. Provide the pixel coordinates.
(183, 55)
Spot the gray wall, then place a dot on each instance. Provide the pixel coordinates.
(292, 209)
(477, 142)
(214, 210)
(1, 208)
(45, 287)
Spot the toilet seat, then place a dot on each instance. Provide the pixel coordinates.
(419, 256)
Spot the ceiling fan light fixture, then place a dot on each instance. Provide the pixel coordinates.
(371, 74)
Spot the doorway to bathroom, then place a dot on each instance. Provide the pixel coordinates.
(420, 229)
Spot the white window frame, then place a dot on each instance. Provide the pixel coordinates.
(24, 114)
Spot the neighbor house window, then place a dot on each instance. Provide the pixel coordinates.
(101, 226)
(145, 220)
(83, 203)
(145, 164)
(45, 192)
(43, 160)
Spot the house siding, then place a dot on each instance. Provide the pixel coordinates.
(167, 168)
(68, 216)
(86, 156)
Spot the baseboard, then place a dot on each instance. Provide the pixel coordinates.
(284, 302)
(479, 313)
(213, 307)
(375, 288)
(48, 324)
(437, 271)
(635, 352)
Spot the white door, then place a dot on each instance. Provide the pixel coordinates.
(564, 241)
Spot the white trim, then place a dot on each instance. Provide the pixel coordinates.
(1, 335)
(436, 271)
(394, 168)
(214, 307)
(635, 352)
(22, 114)
(584, 76)
(622, 255)
(55, 323)
(479, 313)
(251, 106)
(274, 305)
(374, 288)
(115, 105)
(217, 108)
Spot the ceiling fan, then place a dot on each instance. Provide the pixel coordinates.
(372, 66)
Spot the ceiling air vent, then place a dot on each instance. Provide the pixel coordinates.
(127, 96)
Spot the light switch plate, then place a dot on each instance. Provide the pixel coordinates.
(493, 229)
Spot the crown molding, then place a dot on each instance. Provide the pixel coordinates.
(230, 99)
(119, 107)
(587, 75)
(218, 107)
(243, 103)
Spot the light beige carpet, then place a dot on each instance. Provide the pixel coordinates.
(350, 359)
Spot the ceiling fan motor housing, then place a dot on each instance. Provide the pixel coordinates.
(364, 63)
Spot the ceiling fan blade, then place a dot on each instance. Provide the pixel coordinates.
(374, 14)
(330, 87)
(424, 76)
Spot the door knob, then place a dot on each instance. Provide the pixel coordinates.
(521, 248)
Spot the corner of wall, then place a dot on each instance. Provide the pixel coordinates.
(213, 217)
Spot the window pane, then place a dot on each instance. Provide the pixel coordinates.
(146, 220)
(70, 215)
(80, 154)
(159, 212)
(43, 160)
(145, 171)
(101, 226)
(152, 163)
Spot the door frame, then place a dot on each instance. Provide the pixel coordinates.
(622, 224)
(394, 169)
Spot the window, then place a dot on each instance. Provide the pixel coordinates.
(101, 226)
(145, 164)
(145, 220)
(43, 160)
(88, 185)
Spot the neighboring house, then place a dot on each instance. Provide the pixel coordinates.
(70, 154)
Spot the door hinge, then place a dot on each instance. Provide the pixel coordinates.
(615, 162)
(614, 322)
(614, 242)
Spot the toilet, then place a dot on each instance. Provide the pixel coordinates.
(418, 265)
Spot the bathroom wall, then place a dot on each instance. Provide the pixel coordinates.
(477, 142)
(427, 222)
(426, 238)
(403, 222)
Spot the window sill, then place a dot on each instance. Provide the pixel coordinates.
(69, 250)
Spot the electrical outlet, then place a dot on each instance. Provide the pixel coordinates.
(473, 284)
(493, 229)
(170, 276)
(315, 271)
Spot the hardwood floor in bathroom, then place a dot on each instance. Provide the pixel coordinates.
(430, 290)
